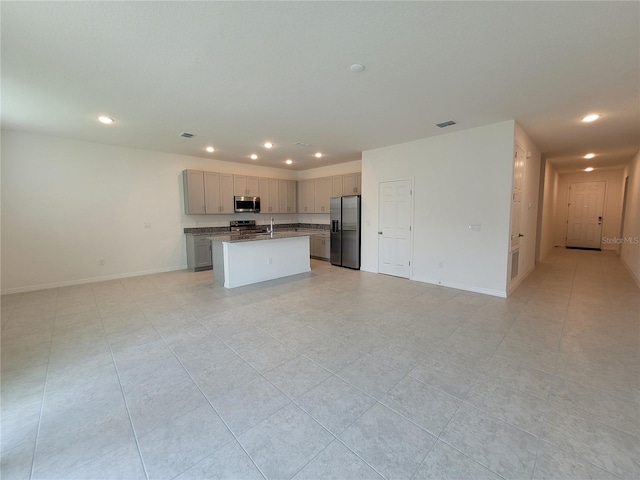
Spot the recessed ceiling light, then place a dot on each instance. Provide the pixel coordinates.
(589, 155)
(588, 169)
(288, 161)
(210, 149)
(268, 145)
(318, 155)
(254, 156)
(591, 117)
(106, 120)
(357, 68)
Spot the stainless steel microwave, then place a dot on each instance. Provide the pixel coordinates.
(246, 204)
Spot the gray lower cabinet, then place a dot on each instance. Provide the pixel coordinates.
(199, 253)
(320, 247)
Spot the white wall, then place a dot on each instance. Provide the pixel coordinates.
(612, 203)
(630, 250)
(460, 178)
(529, 213)
(66, 204)
(549, 202)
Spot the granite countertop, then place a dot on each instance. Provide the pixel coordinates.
(312, 228)
(257, 237)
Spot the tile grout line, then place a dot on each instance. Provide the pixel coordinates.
(44, 391)
(293, 401)
(555, 367)
(235, 437)
(124, 398)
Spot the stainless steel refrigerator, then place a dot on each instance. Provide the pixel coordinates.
(345, 231)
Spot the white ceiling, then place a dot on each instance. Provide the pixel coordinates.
(236, 74)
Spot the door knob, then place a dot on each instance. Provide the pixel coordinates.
(521, 234)
(379, 233)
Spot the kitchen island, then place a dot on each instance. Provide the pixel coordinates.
(240, 260)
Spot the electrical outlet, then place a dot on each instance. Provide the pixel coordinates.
(147, 224)
(440, 264)
(101, 261)
(270, 261)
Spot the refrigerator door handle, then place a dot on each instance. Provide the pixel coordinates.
(335, 226)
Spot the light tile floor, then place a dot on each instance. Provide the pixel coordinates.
(335, 374)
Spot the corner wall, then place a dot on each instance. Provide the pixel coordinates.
(630, 250)
(529, 209)
(549, 201)
(460, 178)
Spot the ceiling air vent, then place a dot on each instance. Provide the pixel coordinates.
(445, 124)
(301, 144)
(186, 135)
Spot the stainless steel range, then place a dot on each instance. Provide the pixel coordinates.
(245, 228)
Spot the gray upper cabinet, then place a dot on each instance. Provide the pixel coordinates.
(305, 196)
(194, 198)
(218, 188)
(226, 193)
(314, 195)
(351, 184)
(336, 187)
(269, 195)
(246, 186)
(210, 193)
(287, 196)
(323, 191)
(207, 193)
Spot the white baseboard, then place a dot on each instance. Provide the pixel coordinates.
(45, 286)
(462, 286)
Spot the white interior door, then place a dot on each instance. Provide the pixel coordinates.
(516, 197)
(394, 234)
(584, 222)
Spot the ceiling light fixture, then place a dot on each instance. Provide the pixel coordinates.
(318, 155)
(253, 156)
(357, 68)
(210, 149)
(268, 145)
(588, 169)
(589, 155)
(591, 117)
(106, 120)
(288, 161)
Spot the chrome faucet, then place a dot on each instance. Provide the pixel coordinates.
(270, 229)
